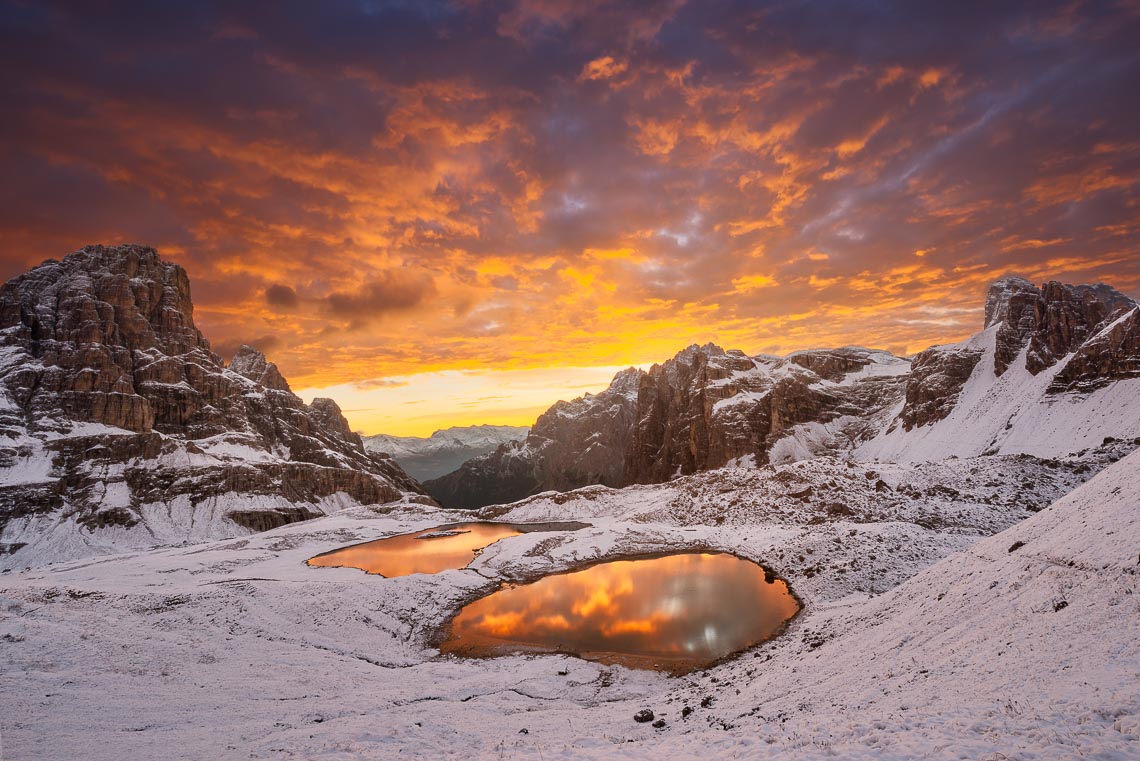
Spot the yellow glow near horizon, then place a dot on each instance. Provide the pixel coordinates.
(418, 405)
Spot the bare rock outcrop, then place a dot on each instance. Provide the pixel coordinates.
(1052, 320)
(1111, 355)
(937, 376)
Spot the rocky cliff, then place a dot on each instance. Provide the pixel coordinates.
(702, 409)
(1047, 325)
(570, 445)
(119, 427)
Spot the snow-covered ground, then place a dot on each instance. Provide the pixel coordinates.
(923, 634)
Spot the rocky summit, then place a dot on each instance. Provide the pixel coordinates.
(1050, 373)
(120, 427)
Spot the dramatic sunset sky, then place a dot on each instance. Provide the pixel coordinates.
(457, 212)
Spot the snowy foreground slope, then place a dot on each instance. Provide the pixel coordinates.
(922, 636)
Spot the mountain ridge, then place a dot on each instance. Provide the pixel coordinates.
(120, 427)
(707, 407)
(445, 450)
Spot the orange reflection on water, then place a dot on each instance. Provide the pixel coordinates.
(429, 551)
(673, 613)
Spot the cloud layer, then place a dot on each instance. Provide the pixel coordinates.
(383, 188)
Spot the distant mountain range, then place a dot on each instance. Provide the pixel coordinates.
(445, 450)
(1056, 369)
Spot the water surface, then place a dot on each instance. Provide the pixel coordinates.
(431, 550)
(674, 613)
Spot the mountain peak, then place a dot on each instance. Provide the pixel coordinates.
(108, 385)
(250, 363)
(1003, 293)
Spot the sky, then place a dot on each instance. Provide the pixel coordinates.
(447, 213)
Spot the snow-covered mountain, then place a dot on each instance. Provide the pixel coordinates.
(444, 450)
(974, 598)
(1056, 369)
(120, 428)
(702, 409)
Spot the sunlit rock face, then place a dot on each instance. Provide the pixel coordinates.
(707, 407)
(572, 444)
(120, 426)
(674, 613)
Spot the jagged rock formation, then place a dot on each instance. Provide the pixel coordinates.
(702, 409)
(444, 450)
(706, 407)
(120, 427)
(1112, 354)
(1052, 320)
(1047, 323)
(1054, 371)
(936, 379)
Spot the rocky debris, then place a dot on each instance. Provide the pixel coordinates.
(644, 716)
(110, 392)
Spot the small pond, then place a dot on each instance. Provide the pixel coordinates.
(674, 613)
(431, 550)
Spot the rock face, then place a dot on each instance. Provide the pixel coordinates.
(119, 426)
(1111, 355)
(1048, 324)
(445, 450)
(702, 409)
(936, 379)
(1052, 320)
